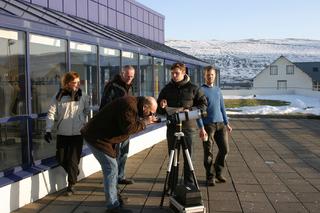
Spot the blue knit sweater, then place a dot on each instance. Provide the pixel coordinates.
(216, 111)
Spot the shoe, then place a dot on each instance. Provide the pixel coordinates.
(118, 210)
(70, 190)
(211, 182)
(126, 181)
(221, 179)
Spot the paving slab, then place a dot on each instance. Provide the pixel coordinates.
(273, 166)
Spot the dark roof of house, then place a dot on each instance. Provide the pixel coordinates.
(51, 17)
(311, 68)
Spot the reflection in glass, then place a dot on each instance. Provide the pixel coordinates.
(167, 70)
(12, 97)
(159, 76)
(192, 72)
(84, 61)
(129, 58)
(109, 65)
(146, 75)
(12, 73)
(47, 65)
(12, 136)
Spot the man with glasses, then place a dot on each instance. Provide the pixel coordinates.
(181, 93)
(113, 124)
(120, 86)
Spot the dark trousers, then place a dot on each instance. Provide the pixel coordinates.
(188, 135)
(68, 154)
(217, 132)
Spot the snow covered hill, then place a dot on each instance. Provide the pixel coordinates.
(241, 60)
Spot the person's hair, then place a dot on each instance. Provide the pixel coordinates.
(68, 77)
(148, 100)
(180, 66)
(127, 67)
(208, 68)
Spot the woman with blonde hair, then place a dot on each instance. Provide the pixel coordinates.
(68, 110)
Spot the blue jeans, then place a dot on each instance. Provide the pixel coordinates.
(109, 168)
(123, 149)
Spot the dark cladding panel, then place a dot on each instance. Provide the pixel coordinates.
(120, 21)
(103, 15)
(151, 32)
(156, 21)
(145, 30)
(145, 16)
(151, 18)
(56, 5)
(161, 23)
(156, 35)
(140, 28)
(112, 20)
(82, 9)
(43, 3)
(140, 14)
(112, 4)
(120, 6)
(127, 8)
(69, 7)
(93, 11)
(134, 26)
(127, 24)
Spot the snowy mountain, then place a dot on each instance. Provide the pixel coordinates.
(241, 60)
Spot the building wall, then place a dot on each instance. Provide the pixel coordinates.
(299, 79)
(125, 15)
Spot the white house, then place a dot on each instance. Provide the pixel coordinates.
(282, 74)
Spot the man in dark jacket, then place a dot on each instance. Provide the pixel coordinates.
(119, 86)
(113, 124)
(181, 93)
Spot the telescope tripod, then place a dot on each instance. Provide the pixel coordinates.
(173, 164)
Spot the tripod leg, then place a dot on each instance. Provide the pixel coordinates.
(186, 152)
(167, 175)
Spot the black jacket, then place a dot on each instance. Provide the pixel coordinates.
(183, 94)
(114, 89)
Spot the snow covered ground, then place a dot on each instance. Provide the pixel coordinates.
(299, 104)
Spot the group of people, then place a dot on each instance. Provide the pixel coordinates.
(121, 115)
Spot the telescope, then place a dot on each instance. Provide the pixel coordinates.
(177, 115)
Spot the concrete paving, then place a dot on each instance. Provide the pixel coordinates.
(273, 166)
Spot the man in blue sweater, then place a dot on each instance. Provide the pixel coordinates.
(216, 125)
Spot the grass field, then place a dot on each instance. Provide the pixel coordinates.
(234, 103)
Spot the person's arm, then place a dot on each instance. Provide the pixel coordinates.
(162, 103)
(200, 101)
(51, 115)
(107, 96)
(223, 111)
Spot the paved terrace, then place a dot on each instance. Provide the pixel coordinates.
(273, 166)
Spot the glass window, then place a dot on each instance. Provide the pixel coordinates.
(192, 72)
(146, 75)
(130, 58)
(281, 84)
(167, 70)
(47, 65)
(109, 65)
(290, 69)
(159, 76)
(84, 61)
(13, 135)
(273, 70)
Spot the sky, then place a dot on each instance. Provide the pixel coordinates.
(238, 19)
(298, 104)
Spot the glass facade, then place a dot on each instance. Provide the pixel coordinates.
(47, 65)
(22, 113)
(146, 75)
(13, 129)
(130, 58)
(109, 65)
(159, 75)
(83, 59)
